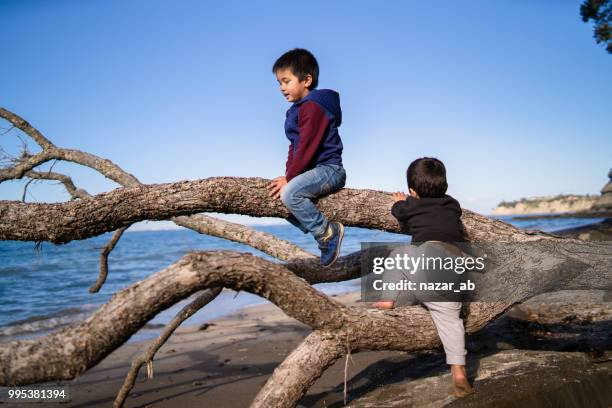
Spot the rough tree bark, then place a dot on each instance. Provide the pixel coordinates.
(91, 216)
(542, 263)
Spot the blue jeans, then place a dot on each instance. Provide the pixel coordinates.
(298, 194)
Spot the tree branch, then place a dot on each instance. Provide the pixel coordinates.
(63, 222)
(108, 248)
(80, 193)
(20, 123)
(65, 180)
(147, 357)
(266, 243)
(309, 360)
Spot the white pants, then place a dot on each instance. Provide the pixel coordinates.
(449, 324)
(445, 315)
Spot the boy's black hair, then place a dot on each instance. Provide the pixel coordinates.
(301, 62)
(427, 176)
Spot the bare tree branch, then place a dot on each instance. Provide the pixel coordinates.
(206, 225)
(314, 355)
(24, 126)
(105, 167)
(266, 243)
(71, 350)
(6, 130)
(147, 357)
(65, 180)
(25, 190)
(80, 193)
(110, 245)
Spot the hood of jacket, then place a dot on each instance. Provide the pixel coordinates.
(328, 99)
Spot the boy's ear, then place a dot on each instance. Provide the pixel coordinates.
(307, 80)
(413, 193)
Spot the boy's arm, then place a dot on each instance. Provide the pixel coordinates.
(400, 210)
(278, 183)
(312, 122)
(289, 159)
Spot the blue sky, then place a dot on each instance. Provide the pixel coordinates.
(512, 95)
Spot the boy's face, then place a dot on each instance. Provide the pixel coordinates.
(292, 88)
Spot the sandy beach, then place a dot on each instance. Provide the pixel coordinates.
(224, 365)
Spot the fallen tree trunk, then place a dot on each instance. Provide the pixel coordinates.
(542, 263)
(92, 216)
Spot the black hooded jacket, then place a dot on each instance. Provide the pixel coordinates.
(430, 219)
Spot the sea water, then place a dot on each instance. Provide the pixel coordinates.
(44, 288)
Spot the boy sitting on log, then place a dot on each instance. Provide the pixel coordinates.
(314, 162)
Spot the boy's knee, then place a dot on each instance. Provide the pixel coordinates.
(288, 196)
(293, 194)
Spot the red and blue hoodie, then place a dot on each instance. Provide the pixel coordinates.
(312, 128)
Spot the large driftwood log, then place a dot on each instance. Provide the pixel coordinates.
(546, 263)
(63, 222)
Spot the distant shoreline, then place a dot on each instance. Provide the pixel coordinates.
(582, 214)
(569, 203)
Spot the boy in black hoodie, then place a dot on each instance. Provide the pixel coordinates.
(430, 215)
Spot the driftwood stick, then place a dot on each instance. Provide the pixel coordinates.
(147, 357)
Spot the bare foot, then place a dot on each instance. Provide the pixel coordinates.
(462, 388)
(388, 304)
(461, 385)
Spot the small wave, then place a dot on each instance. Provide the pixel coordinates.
(13, 270)
(48, 322)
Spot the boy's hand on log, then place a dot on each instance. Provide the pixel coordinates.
(276, 186)
(397, 196)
